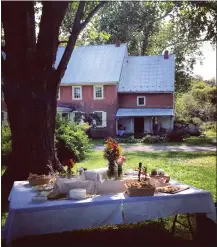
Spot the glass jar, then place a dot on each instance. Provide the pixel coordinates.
(112, 172)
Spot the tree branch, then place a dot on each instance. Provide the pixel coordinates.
(163, 16)
(62, 42)
(51, 19)
(93, 12)
(77, 27)
(188, 42)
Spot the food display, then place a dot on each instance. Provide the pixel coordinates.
(142, 188)
(171, 189)
(56, 195)
(44, 187)
(35, 179)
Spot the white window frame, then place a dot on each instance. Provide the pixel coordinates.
(104, 119)
(73, 87)
(5, 118)
(138, 97)
(58, 97)
(94, 92)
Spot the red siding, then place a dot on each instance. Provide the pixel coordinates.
(164, 100)
(88, 104)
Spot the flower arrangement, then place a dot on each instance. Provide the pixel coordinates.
(113, 150)
(112, 153)
(120, 161)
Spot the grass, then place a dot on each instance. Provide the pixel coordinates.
(193, 168)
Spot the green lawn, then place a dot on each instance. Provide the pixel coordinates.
(196, 169)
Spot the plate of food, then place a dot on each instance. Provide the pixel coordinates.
(172, 189)
(44, 187)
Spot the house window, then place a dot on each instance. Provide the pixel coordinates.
(141, 101)
(98, 92)
(77, 93)
(58, 96)
(65, 116)
(100, 119)
(3, 116)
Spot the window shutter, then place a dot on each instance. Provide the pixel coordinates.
(104, 119)
(72, 117)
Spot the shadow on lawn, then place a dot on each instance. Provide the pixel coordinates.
(146, 236)
(171, 155)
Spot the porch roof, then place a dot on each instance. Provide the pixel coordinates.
(63, 109)
(152, 112)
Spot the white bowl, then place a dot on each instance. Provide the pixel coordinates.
(77, 193)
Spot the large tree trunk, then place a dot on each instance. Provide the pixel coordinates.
(30, 88)
(32, 119)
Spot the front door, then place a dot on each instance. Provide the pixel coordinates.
(139, 125)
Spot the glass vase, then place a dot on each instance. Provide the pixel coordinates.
(69, 173)
(120, 171)
(112, 172)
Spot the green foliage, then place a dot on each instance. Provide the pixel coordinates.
(198, 104)
(6, 148)
(153, 139)
(71, 140)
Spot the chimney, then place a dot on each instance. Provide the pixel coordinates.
(117, 43)
(166, 55)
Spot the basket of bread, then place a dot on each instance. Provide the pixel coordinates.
(139, 188)
(35, 179)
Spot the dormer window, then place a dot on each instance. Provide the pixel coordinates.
(98, 92)
(141, 101)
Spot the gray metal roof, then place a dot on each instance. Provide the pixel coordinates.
(135, 112)
(64, 109)
(93, 64)
(147, 74)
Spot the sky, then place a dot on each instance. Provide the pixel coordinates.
(208, 69)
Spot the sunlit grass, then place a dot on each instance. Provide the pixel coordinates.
(196, 169)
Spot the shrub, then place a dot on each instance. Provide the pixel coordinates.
(153, 139)
(71, 140)
(175, 136)
(6, 148)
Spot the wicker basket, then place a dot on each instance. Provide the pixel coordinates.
(166, 178)
(39, 181)
(146, 191)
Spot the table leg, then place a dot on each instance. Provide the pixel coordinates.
(174, 224)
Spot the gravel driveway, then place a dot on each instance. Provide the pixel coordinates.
(161, 148)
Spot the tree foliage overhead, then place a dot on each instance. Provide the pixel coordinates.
(151, 27)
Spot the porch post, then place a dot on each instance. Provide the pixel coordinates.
(116, 125)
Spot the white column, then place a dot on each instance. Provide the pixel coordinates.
(116, 125)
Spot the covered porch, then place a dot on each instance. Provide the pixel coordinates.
(145, 120)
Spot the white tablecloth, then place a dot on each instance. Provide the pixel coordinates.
(27, 218)
(192, 200)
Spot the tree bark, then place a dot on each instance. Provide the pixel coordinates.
(30, 89)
